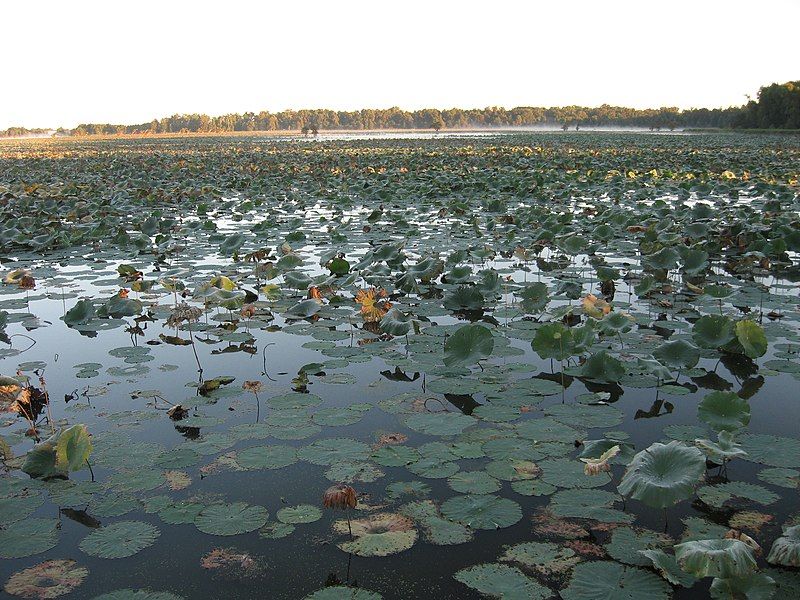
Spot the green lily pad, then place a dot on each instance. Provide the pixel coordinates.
(121, 539)
(482, 511)
(230, 519)
(588, 504)
(436, 529)
(302, 513)
(341, 592)
(613, 581)
(473, 482)
(501, 581)
(379, 534)
(334, 450)
(28, 537)
(443, 423)
(266, 457)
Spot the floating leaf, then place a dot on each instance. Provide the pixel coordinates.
(230, 519)
(482, 511)
(302, 513)
(379, 534)
(118, 540)
(28, 537)
(613, 581)
(501, 581)
(50, 579)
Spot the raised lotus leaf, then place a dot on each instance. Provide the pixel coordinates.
(663, 474)
(723, 558)
(65, 451)
(468, 345)
(755, 586)
(752, 338)
(603, 367)
(724, 449)
(786, 549)
(724, 411)
(396, 323)
(713, 331)
(553, 340)
(678, 354)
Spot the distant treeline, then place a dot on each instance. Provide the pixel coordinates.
(778, 107)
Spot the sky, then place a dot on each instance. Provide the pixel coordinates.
(122, 61)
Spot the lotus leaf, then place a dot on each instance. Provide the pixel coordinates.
(663, 474)
(468, 345)
(482, 511)
(724, 411)
(613, 581)
(785, 550)
(230, 519)
(716, 558)
(379, 534)
(121, 539)
(501, 581)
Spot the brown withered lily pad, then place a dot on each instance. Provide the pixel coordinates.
(50, 579)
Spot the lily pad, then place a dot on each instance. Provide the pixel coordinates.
(502, 581)
(121, 539)
(613, 581)
(230, 519)
(482, 511)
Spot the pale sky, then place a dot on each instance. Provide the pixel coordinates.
(122, 61)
